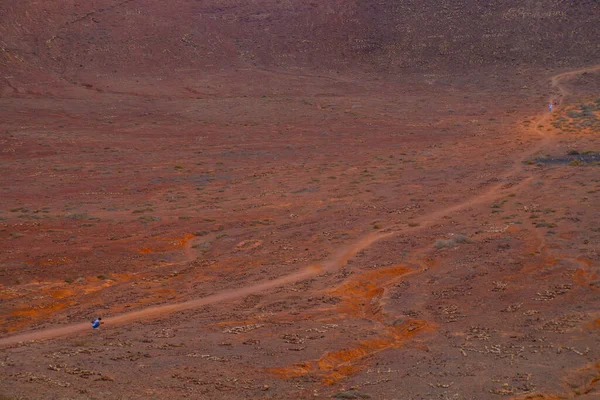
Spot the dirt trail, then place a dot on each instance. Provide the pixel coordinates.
(330, 265)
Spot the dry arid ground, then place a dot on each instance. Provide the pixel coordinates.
(300, 200)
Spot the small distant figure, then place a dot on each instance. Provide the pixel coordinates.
(96, 323)
(555, 102)
(550, 107)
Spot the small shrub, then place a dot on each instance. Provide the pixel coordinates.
(544, 224)
(441, 243)
(453, 241)
(413, 224)
(460, 238)
(573, 153)
(142, 210)
(148, 218)
(77, 216)
(351, 395)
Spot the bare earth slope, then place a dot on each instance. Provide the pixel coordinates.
(299, 200)
(102, 44)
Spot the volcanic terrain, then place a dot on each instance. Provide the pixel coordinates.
(294, 199)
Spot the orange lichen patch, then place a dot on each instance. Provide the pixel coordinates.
(182, 242)
(31, 314)
(59, 294)
(33, 289)
(340, 363)
(316, 267)
(538, 263)
(94, 289)
(294, 371)
(203, 278)
(336, 365)
(380, 276)
(341, 373)
(537, 397)
(568, 235)
(432, 262)
(550, 261)
(360, 294)
(248, 244)
(584, 380)
(513, 229)
(359, 298)
(55, 261)
(586, 261)
(585, 277)
(47, 293)
(167, 244)
(35, 311)
(7, 293)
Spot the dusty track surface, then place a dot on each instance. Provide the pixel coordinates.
(344, 237)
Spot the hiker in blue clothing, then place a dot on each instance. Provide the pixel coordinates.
(96, 322)
(550, 107)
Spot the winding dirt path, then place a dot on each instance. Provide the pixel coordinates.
(334, 263)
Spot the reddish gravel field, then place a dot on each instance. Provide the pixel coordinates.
(260, 208)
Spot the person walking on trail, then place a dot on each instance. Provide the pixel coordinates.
(96, 323)
(550, 107)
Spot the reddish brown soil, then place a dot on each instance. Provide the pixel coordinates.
(276, 229)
